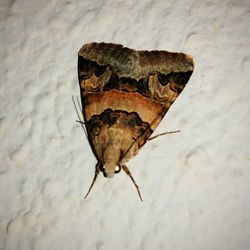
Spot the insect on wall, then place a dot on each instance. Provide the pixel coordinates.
(124, 95)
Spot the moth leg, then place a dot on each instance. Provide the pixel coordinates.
(97, 171)
(80, 122)
(165, 133)
(126, 170)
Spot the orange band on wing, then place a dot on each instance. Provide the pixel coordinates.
(146, 108)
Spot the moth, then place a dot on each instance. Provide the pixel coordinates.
(125, 93)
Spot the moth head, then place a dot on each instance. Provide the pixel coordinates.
(110, 169)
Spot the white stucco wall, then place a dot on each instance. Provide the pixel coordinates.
(195, 184)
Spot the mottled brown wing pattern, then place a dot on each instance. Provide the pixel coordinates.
(125, 93)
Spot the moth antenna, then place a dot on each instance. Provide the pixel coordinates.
(79, 105)
(165, 133)
(126, 170)
(79, 116)
(97, 171)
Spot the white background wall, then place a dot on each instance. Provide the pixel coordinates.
(195, 184)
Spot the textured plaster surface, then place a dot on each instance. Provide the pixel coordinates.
(195, 184)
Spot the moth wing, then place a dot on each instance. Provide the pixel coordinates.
(121, 79)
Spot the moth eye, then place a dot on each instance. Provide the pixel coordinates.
(117, 169)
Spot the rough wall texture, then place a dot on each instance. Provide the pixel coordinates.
(195, 184)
